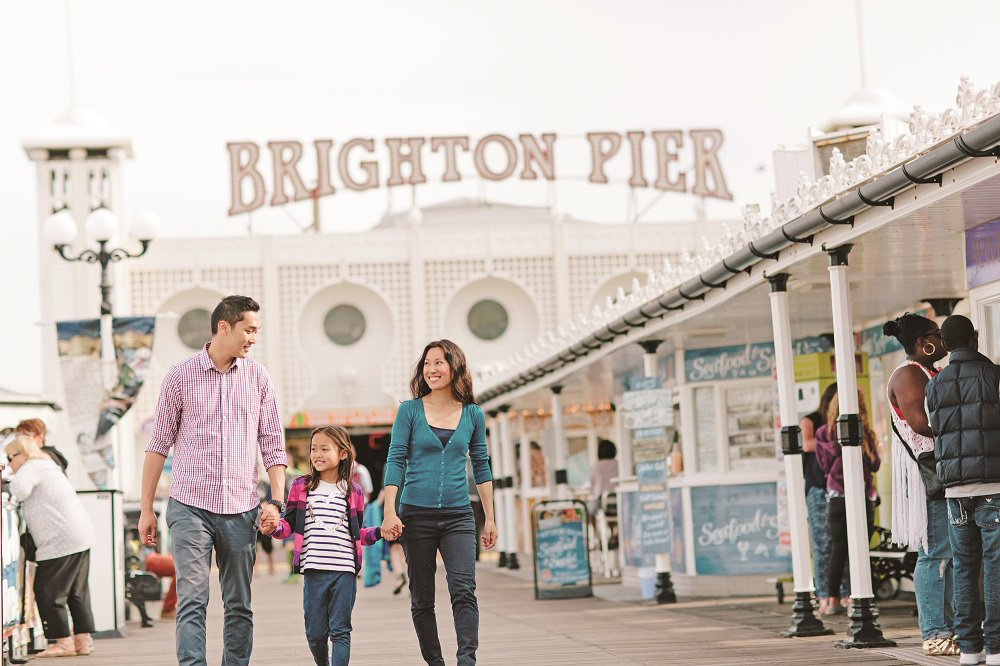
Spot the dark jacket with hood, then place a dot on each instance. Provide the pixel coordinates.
(963, 403)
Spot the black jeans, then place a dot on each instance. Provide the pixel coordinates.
(60, 583)
(837, 522)
(453, 532)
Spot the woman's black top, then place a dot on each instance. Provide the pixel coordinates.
(815, 478)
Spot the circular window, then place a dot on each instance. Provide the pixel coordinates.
(195, 328)
(487, 320)
(344, 325)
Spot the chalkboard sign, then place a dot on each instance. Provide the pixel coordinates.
(736, 530)
(562, 552)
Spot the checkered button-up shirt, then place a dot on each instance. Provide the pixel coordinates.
(215, 422)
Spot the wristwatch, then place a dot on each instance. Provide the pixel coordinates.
(277, 503)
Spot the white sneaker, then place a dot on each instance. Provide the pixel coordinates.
(993, 660)
(973, 658)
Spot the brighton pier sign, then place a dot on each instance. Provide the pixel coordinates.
(495, 156)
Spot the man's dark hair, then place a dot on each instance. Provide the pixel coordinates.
(957, 332)
(606, 449)
(231, 309)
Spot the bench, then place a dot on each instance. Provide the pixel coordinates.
(890, 564)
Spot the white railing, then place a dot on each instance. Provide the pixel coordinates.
(925, 131)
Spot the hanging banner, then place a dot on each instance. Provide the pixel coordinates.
(92, 411)
(742, 361)
(133, 337)
(80, 366)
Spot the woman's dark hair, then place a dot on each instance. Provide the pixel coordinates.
(461, 378)
(824, 401)
(907, 329)
(345, 469)
(606, 450)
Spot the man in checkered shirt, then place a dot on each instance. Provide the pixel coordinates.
(217, 410)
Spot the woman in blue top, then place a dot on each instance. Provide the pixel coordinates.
(433, 436)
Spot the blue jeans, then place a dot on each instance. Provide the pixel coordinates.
(975, 539)
(194, 533)
(932, 577)
(328, 600)
(453, 532)
(816, 509)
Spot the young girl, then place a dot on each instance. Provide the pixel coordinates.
(325, 512)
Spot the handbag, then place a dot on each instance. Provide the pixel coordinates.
(928, 469)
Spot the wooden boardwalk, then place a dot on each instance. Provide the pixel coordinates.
(517, 630)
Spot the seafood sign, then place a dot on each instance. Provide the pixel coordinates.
(736, 530)
(561, 546)
(741, 361)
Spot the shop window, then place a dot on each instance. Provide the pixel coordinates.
(750, 425)
(344, 325)
(487, 319)
(195, 328)
(705, 440)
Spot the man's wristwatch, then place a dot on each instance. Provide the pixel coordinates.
(277, 503)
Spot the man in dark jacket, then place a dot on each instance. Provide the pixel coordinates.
(963, 403)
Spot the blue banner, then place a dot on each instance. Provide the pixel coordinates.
(561, 548)
(742, 361)
(736, 530)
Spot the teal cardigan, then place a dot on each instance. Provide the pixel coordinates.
(435, 474)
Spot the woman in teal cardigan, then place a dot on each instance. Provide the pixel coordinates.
(433, 436)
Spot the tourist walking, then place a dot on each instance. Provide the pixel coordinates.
(325, 517)
(216, 412)
(963, 403)
(433, 435)
(829, 455)
(61, 535)
(919, 521)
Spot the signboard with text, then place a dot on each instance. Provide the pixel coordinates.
(561, 550)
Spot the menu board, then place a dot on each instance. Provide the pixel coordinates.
(562, 565)
(705, 439)
(11, 568)
(736, 530)
(750, 425)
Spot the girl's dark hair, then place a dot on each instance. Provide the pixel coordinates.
(606, 450)
(907, 329)
(824, 401)
(461, 378)
(345, 469)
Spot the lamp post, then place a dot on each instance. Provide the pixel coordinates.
(101, 226)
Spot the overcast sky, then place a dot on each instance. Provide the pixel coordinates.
(184, 78)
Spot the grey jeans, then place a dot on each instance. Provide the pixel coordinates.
(194, 533)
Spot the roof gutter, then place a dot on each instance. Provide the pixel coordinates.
(980, 141)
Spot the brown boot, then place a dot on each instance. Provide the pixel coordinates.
(84, 644)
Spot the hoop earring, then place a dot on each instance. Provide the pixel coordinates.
(931, 352)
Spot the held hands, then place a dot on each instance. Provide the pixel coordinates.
(489, 534)
(269, 516)
(147, 528)
(392, 527)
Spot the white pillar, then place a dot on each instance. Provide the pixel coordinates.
(507, 444)
(559, 430)
(496, 458)
(525, 481)
(804, 622)
(863, 631)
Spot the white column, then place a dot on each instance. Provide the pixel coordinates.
(790, 436)
(525, 482)
(847, 395)
(559, 430)
(499, 492)
(507, 444)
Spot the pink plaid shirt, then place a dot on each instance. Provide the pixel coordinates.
(216, 421)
